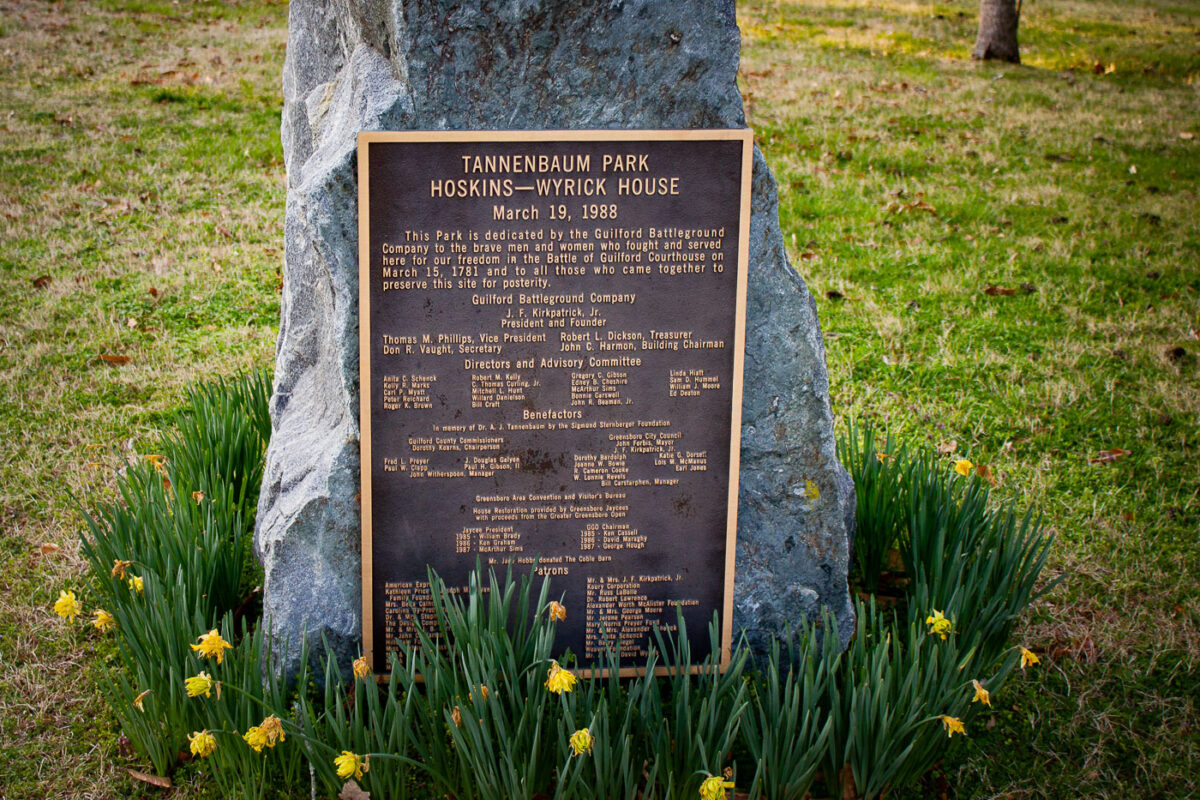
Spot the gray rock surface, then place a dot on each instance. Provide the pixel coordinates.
(521, 64)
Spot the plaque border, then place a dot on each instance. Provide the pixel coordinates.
(365, 139)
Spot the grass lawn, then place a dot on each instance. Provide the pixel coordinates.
(913, 180)
(1006, 261)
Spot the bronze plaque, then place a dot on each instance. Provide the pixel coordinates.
(551, 330)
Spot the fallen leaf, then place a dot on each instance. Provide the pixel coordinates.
(849, 790)
(49, 548)
(41, 281)
(112, 358)
(985, 472)
(1187, 136)
(998, 290)
(153, 780)
(131, 323)
(1105, 456)
(352, 791)
(946, 448)
(153, 292)
(920, 205)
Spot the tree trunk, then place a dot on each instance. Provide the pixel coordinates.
(998, 30)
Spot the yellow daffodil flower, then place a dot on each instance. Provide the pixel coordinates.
(361, 670)
(581, 741)
(202, 743)
(137, 701)
(981, 694)
(559, 680)
(953, 725)
(104, 621)
(272, 726)
(201, 684)
(557, 611)
(257, 738)
(67, 607)
(119, 567)
(1028, 659)
(714, 788)
(350, 765)
(211, 644)
(882, 457)
(939, 625)
(136, 584)
(963, 467)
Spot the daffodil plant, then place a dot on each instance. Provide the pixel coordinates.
(483, 708)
